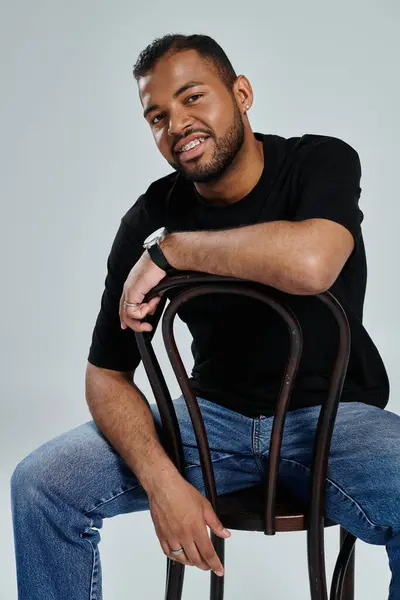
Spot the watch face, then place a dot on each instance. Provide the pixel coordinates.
(152, 238)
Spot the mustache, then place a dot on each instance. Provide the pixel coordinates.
(190, 132)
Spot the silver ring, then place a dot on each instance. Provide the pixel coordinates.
(130, 304)
(180, 551)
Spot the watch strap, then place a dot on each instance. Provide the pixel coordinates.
(157, 256)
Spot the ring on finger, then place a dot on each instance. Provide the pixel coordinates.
(130, 304)
(176, 552)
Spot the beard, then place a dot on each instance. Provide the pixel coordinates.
(226, 149)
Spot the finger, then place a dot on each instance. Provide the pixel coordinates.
(179, 557)
(129, 313)
(209, 555)
(136, 312)
(134, 320)
(135, 324)
(147, 308)
(214, 523)
(121, 312)
(143, 309)
(153, 303)
(193, 554)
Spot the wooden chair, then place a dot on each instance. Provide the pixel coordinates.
(264, 507)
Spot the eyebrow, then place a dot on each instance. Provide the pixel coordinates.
(178, 92)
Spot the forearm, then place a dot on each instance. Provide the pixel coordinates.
(279, 254)
(120, 411)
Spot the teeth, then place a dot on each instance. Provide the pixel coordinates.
(191, 145)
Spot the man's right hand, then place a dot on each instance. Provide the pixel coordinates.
(181, 515)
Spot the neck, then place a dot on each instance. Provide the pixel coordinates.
(240, 178)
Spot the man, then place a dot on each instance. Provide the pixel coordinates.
(279, 211)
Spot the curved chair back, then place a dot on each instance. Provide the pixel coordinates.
(192, 285)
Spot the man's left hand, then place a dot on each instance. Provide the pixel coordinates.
(143, 277)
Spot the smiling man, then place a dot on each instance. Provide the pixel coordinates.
(262, 207)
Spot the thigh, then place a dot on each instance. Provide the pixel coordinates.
(230, 437)
(82, 469)
(363, 479)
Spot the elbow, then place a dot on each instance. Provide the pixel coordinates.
(318, 278)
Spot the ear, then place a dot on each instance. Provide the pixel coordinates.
(243, 93)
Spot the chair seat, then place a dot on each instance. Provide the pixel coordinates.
(245, 509)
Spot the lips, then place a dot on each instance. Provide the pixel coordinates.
(193, 153)
(187, 140)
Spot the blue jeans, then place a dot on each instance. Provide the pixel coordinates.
(63, 490)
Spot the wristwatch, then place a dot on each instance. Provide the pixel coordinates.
(152, 244)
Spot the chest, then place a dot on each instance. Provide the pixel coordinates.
(275, 200)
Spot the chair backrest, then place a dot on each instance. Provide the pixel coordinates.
(192, 285)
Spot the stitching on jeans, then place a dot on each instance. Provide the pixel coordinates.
(339, 489)
(139, 485)
(189, 466)
(258, 454)
(256, 445)
(109, 500)
(254, 436)
(92, 597)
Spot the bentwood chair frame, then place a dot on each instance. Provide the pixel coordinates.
(264, 507)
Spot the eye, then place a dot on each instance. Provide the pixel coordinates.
(153, 121)
(194, 96)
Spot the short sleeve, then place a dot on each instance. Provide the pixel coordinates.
(329, 185)
(112, 347)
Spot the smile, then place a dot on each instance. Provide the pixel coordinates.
(193, 150)
(191, 145)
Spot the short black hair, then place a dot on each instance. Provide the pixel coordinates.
(173, 43)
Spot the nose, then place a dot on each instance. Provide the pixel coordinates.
(179, 121)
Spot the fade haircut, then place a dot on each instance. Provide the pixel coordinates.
(169, 44)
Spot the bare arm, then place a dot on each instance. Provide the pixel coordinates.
(179, 511)
(297, 257)
(120, 411)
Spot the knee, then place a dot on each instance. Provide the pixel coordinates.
(41, 474)
(30, 478)
(56, 470)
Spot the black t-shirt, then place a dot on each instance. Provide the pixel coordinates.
(240, 346)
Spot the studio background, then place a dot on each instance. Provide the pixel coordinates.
(75, 155)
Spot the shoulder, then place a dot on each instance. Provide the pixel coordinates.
(323, 157)
(310, 146)
(316, 149)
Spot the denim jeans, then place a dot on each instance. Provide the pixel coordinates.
(63, 490)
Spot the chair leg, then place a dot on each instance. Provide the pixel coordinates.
(316, 561)
(217, 583)
(174, 580)
(342, 587)
(348, 586)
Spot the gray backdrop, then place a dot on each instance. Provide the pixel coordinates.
(75, 155)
